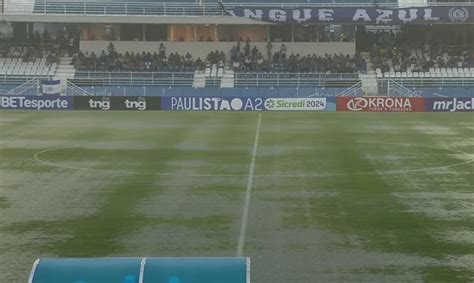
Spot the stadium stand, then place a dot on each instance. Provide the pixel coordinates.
(38, 57)
(246, 60)
(403, 55)
(16, 66)
(29, 61)
(137, 62)
(41, 57)
(179, 55)
(386, 62)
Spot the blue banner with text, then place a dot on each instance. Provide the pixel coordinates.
(197, 103)
(369, 15)
(12, 102)
(453, 104)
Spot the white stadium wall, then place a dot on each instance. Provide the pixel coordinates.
(202, 49)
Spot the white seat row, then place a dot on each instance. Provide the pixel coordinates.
(25, 65)
(433, 73)
(16, 66)
(11, 59)
(20, 72)
(452, 70)
(214, 71)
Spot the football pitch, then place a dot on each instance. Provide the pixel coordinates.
(309, 197)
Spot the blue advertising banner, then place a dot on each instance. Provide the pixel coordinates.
(199, 103)
(370, 15)
(454, 104)
(36, 102)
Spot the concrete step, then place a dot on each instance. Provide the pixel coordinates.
(227, 83)
(65, 62)
(66, 71)
(61, 66)
(64, 77)
(228, 79)
(199, 80)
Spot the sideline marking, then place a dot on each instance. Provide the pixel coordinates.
(248, 194)
(309, 175)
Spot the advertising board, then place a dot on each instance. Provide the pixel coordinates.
(453, 104)
(380, 104)
(196, 103)
(106, 103)
(12, 102)
(300, 104)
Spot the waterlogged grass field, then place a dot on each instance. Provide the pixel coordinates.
(310, 197)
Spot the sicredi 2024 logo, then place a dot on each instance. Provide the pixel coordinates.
(295, 104)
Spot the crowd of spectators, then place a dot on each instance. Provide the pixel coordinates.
(390, 51)
(113, 61)
(243, 58)
(394, 52)
(247, 59)
(38, 46)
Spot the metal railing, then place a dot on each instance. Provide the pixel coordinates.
(113, 8)
(355, 90)
(178, 9)
(244, 80)
(23, 89)
(133, 78)
(74, 90)
(240, 80)
(395, 88)
(295, 80)
(467, 82)
(19, 79)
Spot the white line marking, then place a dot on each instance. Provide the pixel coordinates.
(248, 194)
(286, 175)
(37, 158)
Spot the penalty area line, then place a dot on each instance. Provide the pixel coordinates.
(248, 193)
